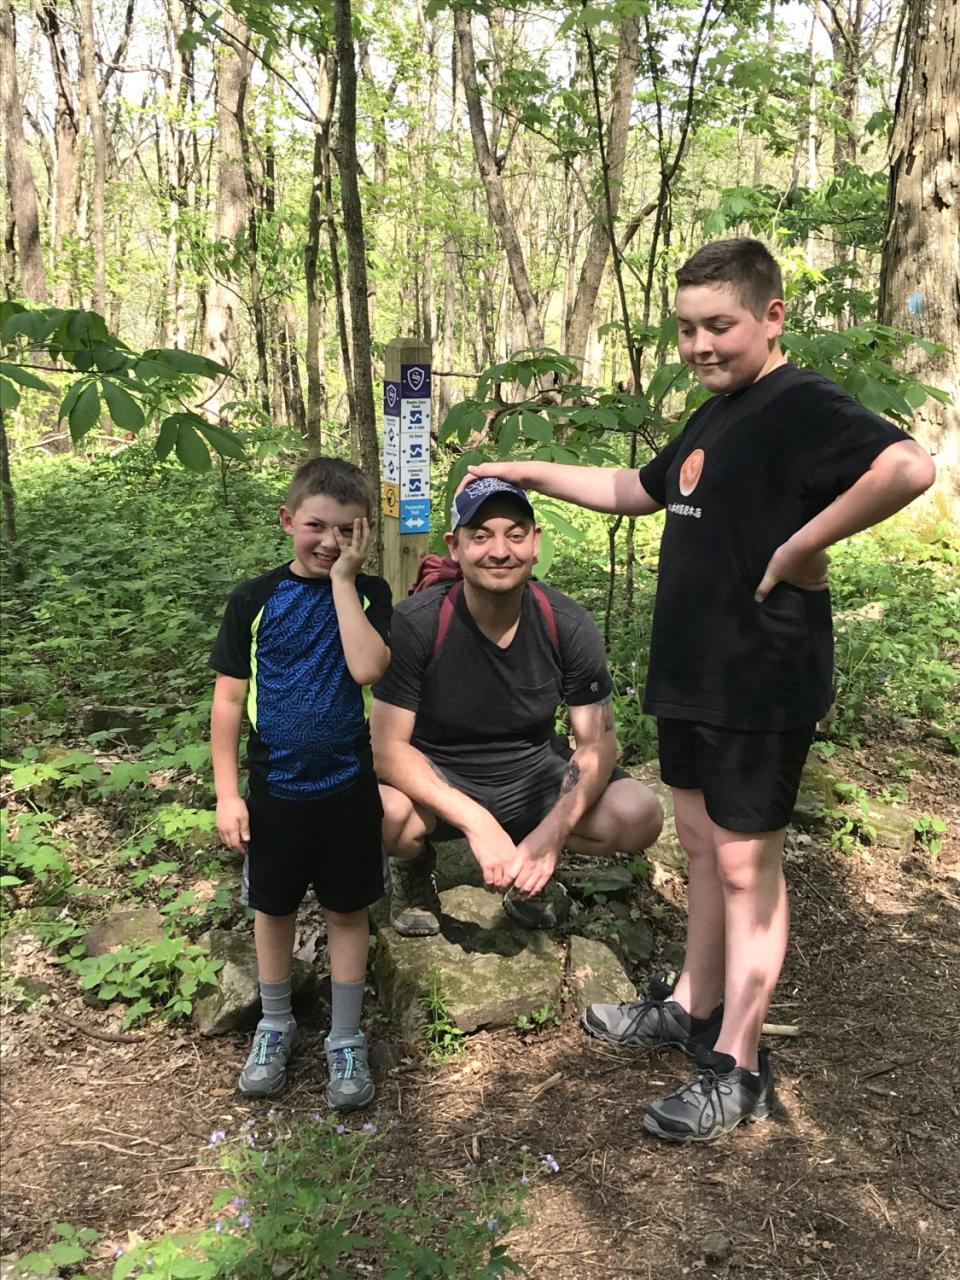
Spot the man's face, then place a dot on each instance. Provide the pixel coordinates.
(311, 527)
(497, 551)
(722, 341)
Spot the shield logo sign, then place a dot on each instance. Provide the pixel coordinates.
(415, 377)
(391, 394)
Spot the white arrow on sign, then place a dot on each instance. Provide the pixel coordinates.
(412, 523)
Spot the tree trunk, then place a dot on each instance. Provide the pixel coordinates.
(492, 185)
(920, 272)
(21, 188)
(346, 153)
(67, 131)
(580, 319)
(316, 296)
(9, 508)
(91, 103)
(253, 255)
(219, 339)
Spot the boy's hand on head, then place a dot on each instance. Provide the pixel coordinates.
(800, 568)
(233, 823)
(353, 550)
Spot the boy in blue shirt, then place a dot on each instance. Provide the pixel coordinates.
(294, 648)
(777, 466)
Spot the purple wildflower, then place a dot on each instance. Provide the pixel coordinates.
(551, 1164)
(369, 1127)
(493, 1224)
(218, 1226)
(341, 1128)
(218, 1135)
(243, 1220)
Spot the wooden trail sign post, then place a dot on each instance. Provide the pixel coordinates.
(405, 492)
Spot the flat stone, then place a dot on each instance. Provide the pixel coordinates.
(590, 880)
(873, 611)
(456, 865)
(595, 975)
(489, 970)
(668, 851)
(118, 724)
(895, 828)
(818, 791)
(128, 927)
(716, 1247)
(234, 1004)
(633, 940)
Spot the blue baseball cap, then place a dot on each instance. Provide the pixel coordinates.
(472, 497)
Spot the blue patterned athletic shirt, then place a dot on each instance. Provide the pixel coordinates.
(308, 736)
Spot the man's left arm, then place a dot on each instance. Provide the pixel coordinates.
(584, 781)
(897, 475)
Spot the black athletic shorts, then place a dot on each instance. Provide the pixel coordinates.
(332, 842)
(749, 780)
(518, 806)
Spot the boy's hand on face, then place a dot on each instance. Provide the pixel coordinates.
(804, 569)
(233, 823)
(353, 550)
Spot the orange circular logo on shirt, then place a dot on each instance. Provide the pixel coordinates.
(690, 472)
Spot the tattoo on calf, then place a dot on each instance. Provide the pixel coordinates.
(570, 779)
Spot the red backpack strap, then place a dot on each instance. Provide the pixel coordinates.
(446, 616)
(549, 617)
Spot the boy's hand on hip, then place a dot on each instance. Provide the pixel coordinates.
(233, 823)
(804, 569)
(353, 550)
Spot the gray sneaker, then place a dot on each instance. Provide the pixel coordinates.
(414, 901)
(265, 1070)
(719, 1097)
(653, 1024)
(543, 910)
(351, 1086)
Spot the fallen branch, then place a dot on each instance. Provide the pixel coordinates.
(779, 1029)
(884, 1067)
(112, 1037)
(541, 1089)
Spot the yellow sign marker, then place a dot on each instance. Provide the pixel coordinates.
(391, 499)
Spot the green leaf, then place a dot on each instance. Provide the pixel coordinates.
(167, 437)
(188, 362)
(536, 428)
(123, 409)
(24, 377)
(191, 450)
(63, 1253)
(9, 395)
(86, 412)
(224, 442)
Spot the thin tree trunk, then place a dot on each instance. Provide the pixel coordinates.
(346, 153)
(67, 131)
(219, 341)
(9, 507)
(490, 175)
(91, 101)
(316, 297)
(21, 189)
(253, 258)
(598, 247)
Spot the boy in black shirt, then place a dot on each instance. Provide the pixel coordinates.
(776, 467)
(294, 648)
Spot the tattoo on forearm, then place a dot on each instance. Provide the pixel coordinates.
(606, 706)
(570, 779)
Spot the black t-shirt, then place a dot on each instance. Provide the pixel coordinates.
(747, 472)
(308, 736)
(484, 712)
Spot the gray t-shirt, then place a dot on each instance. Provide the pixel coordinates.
(484, 712)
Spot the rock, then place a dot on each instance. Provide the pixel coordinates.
(716, 1247)
(118, 724)
(873, 611)
(818, 791)
(587, 881)
(457, 865)
(595, 975)
(633, 940)
(895, 828)
(127, 927)
(385, 1055)
(489, 970)
(235, 1001)
(667, 851)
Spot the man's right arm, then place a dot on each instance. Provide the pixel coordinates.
(599, 488)
(226, 716)
(403, 766)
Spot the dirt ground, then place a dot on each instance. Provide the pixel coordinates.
(857, 1174)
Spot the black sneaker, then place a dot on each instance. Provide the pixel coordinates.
(719, 1097)
(653, 1024)
(543, 910)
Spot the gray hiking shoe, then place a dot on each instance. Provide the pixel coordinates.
(543, 910)
(351, 1085)
(719, 1097)
(653, 1024)
(414, 902)
(265, 1070)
